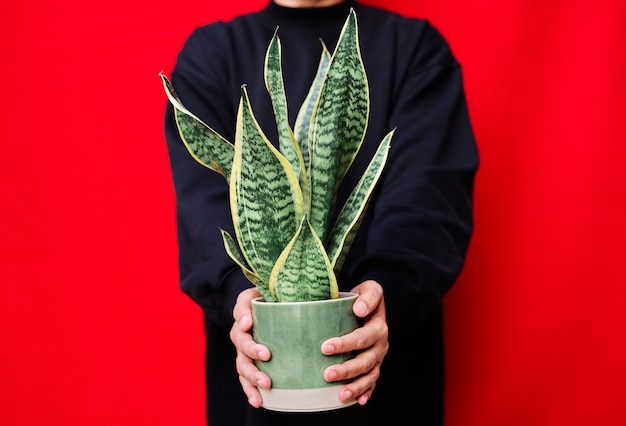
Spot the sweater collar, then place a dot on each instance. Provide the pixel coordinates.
(306, 15)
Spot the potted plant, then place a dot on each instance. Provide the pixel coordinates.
(282, 201)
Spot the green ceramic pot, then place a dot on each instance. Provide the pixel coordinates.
(294, 332)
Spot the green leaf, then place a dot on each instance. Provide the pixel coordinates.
(282, 199)
(276, 89)
(339, 124)
(265, 196)
(351, 215)
(204, 144)
(303, 271)
(304, 117)
(233, 252)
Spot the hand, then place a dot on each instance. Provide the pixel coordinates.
(248, 350)
(370, 340)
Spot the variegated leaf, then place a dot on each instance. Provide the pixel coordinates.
(339, 124)
(303, 271)
(351, 215)
(265, 196)
(231, 249)
(304, 117)
(276, 89)
(204, 144)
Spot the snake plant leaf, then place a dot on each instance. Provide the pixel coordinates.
(282, 199)
(265, 196)
(339, 124)
(303, 119)
(303, 271)
(276, 89)
(351, 215)
(231, 249)
(204, 144)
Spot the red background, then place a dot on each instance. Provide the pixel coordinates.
(93, 328)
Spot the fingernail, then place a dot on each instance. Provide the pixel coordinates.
(328, 348)
(360, 309)
(331, 375)
(346, 395)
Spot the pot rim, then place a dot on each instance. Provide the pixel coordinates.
(342, 295)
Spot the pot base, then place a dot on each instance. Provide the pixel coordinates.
(304, 400)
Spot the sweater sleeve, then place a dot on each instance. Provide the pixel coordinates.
(207, 274)
(421, 217)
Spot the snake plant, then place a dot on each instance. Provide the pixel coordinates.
(282, 200)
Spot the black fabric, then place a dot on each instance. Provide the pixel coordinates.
(417, 229)
(409, 391)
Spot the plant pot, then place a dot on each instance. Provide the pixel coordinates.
(294, 332)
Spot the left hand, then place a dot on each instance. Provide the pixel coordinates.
(370, 341)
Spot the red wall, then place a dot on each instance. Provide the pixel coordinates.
(93, 328)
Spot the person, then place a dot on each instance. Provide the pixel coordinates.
(411, 246)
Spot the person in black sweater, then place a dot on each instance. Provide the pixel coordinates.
(411, 246)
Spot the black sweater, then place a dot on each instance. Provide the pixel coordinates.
(416, 232)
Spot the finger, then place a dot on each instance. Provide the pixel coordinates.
(359, 339)
(370, 296)
(242, 306)
(362, 364)
(244, 323)
(248, 370)
(251, 392)
(360, 389)
(246, 345)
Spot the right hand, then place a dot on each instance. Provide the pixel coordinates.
(248, 350)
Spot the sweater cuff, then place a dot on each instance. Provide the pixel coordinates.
(407, 303)
(234, 284)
